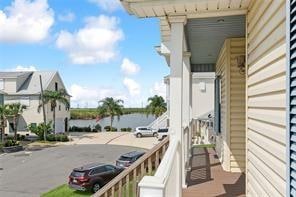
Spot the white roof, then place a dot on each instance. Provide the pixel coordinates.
(31, 84)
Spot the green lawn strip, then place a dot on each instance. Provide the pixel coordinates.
(65, 191)
(204, 146)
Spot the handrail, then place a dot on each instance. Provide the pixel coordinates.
(163, 180)
(131, 170)
(167, 161)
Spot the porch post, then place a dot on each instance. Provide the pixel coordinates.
(186, 113)
(176, 75)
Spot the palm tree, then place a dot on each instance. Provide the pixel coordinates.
(156, 106)
(110, 107)
(3, 114)
(52, 98)
(14, 111)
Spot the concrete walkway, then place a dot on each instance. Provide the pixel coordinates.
(114, 138)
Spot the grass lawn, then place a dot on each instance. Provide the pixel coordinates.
(65, 191)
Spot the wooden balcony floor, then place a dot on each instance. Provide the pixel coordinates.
(207, 178)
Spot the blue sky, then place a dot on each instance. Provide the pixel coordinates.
(98, 49)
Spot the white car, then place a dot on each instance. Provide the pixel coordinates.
(145, 131)
(162, 133)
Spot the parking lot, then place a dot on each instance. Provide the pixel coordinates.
(28, 174)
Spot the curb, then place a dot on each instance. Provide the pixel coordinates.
(3, 154)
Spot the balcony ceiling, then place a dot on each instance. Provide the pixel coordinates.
(205, 36)
(160, 8)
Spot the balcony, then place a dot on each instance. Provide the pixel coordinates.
(207, 178)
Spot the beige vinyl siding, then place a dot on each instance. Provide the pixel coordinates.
(237, 107)
(222, 140)
(266, 99)
(232, 138)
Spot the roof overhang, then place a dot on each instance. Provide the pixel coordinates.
(189, 8)
(192, 8)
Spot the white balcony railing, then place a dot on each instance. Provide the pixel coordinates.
(167, 179)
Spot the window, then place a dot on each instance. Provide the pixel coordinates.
(217, 105)
(1, 84)
(56, 87)
(97, 170)
(1, 99)
(109, 168)
(77, 174)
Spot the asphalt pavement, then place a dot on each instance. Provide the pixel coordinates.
(29, 174)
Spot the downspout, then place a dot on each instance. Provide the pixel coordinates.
(288, 107)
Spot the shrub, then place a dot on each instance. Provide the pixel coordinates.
(123, 129)
(98, 127)
(9, 143)
(80, 129)
(114, 129)
(129, 129)
(39, 129)
(57, 137)
(50, 137)
(62, 138)
(107, 128)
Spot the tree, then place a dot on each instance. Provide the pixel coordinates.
(156, 106)
(110, 107)
(14, 111)
(52, 98)
(3, 119)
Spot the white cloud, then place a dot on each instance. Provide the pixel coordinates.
(108, 5)
(94, 43)
(159, 88)
(67, 17)
(89, 97)
(129, 68)
(132, 86)
(26, 21)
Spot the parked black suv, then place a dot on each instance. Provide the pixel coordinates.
(127, 159)
(93, 176)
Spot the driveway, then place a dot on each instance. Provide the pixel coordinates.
(28, 174)
(114, 138)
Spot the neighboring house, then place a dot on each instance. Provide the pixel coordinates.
(251, 44)
(24, 88)
(202, 94)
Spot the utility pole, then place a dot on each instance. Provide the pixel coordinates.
(43, 109)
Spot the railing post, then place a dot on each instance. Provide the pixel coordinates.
(120, 188)
(135, 182)
(127, 185)
(156, 159)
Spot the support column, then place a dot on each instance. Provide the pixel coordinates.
(176, 75)
(186, 113)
